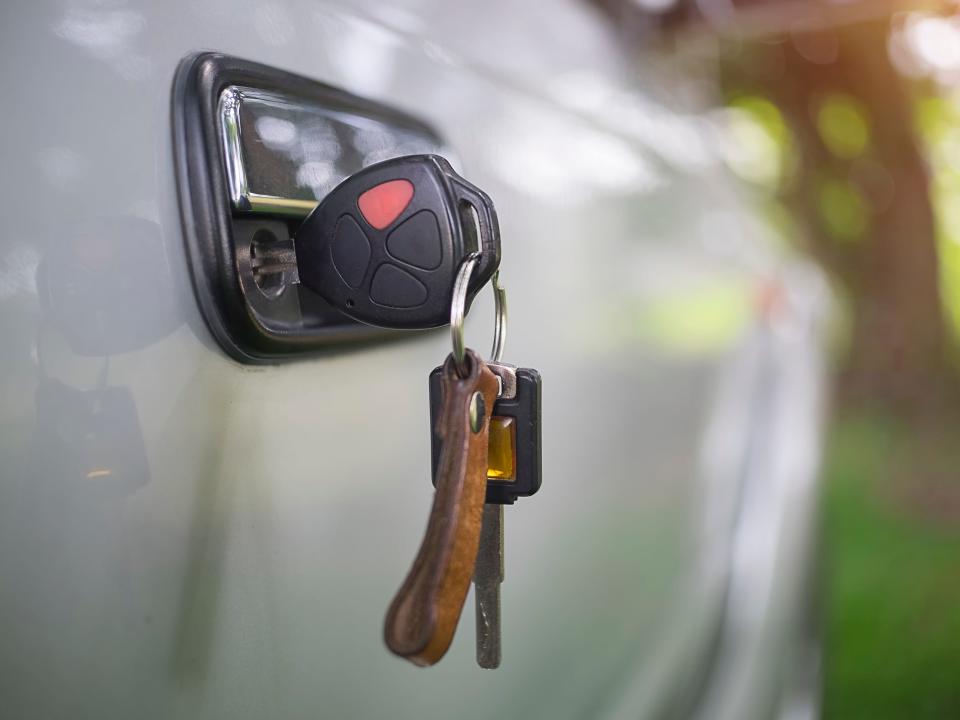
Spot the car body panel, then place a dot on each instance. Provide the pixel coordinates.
(182, 535)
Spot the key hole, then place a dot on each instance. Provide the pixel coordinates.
(470, 221)
(270, 261)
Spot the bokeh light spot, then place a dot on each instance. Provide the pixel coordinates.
(757, 141)
(843, 126)
(842, 209)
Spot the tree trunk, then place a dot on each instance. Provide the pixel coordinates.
(898, 351)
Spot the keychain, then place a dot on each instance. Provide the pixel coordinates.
(408, 243)
(511, 470)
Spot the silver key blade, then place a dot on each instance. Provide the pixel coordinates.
(487, 576)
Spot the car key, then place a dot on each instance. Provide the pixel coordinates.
(513, 471)
(513, 462)
(384, 246)
(423, 616)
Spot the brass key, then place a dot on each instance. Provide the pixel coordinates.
(423, 616)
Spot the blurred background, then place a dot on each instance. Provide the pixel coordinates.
(844, 120)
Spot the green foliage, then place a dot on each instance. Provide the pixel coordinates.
(843, 126)
(938, 122)
(892, 580)
(844, 212)
(761, 143)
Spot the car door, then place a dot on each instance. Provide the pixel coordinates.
(183, 534)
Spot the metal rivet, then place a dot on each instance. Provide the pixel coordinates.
(478, 408)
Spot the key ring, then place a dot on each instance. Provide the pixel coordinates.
(458, 311)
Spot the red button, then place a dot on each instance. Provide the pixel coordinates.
(381, 205)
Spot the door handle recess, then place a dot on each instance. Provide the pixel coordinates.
(255, 149)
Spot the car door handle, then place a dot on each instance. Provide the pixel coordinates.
(255, 149)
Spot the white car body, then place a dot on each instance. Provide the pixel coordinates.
(231, 553)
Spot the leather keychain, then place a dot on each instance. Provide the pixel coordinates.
(423, 616)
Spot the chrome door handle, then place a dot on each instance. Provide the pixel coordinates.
(255, 149)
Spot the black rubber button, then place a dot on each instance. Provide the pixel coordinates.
(394, 287)
(350, 251)
(417, 241)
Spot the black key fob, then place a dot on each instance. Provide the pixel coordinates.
(384, 246)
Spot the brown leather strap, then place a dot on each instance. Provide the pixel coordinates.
(423, 616)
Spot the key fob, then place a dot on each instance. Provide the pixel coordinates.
(384, 246)
(514, 447)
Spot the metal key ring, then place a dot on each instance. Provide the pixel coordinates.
(458, 311)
